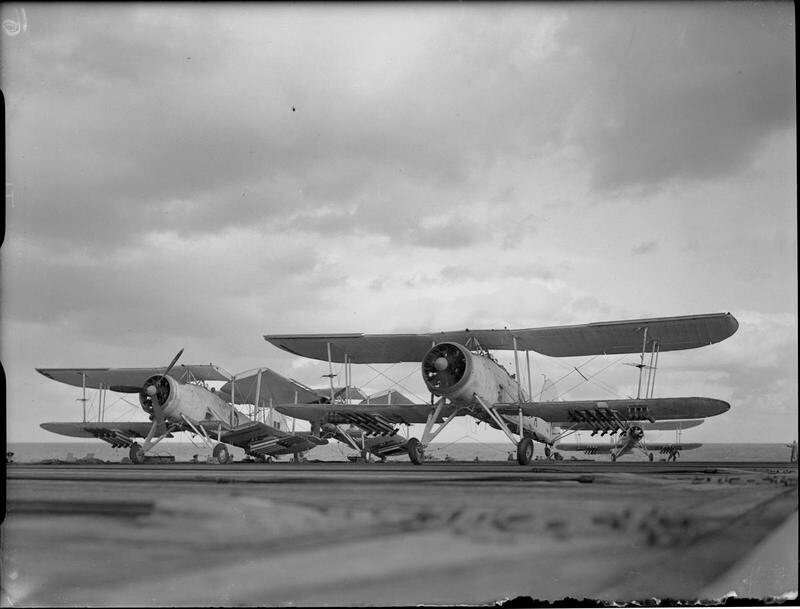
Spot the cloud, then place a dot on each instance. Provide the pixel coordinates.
(441, 169)
(644, 248)
(678, 91)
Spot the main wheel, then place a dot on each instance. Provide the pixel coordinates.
(221, 453)
(547, 451)
(136, 454)
(524, 451)
(416, 452)
(650, 456)
(614, 458)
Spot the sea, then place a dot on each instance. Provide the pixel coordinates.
(36, 452)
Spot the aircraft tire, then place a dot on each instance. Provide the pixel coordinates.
(221, 453)
(524, 451)
(136, 454)
(416, 452)
(650, 456)
(614, 458)
(547, 451)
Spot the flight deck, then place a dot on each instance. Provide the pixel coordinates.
(397, 534)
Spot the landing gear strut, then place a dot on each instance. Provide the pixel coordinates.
(524, 451)
(416, 452)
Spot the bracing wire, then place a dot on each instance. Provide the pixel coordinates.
(588, 379)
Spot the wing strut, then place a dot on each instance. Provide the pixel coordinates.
(641, 363)
(528, 362)
(258, 397)
(653, 368)
(83, 399)
(330, 368)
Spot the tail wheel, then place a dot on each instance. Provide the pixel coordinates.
(136, 454)
(524, 451)
(221, 453)
(416, 451)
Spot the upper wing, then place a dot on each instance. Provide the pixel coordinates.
(609, 337)
(275, 389)
(611, 412)
(130, 380)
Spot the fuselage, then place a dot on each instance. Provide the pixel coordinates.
(452, 371)
(196, 403)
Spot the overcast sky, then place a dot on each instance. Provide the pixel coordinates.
(197, 176)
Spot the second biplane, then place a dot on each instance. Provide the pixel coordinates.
(178, 399)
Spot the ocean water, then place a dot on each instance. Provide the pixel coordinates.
(34, 452)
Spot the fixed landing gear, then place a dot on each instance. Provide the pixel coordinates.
(525, 451)
(416, 452)
(222, 454)
(650, 456)
(136, 454)
(547, 452)
(613, 457)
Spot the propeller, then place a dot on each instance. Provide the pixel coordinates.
(635, 432)
(154, 394)
(443, 366)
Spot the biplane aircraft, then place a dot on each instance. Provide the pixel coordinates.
(177, 399)
(459, 369)
(634, 439)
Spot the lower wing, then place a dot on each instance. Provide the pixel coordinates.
(606, 448)
(611, 412)
(116, 433)
(373, 418)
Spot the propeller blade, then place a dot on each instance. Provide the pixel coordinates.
(172, 363)
(158, 415)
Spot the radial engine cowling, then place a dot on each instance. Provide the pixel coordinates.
(445, 368)
(157, 387)
(635, 433)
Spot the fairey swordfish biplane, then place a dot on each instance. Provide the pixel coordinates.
(459, 369)
(178, 399)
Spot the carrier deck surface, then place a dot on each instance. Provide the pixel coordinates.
(396, 534)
